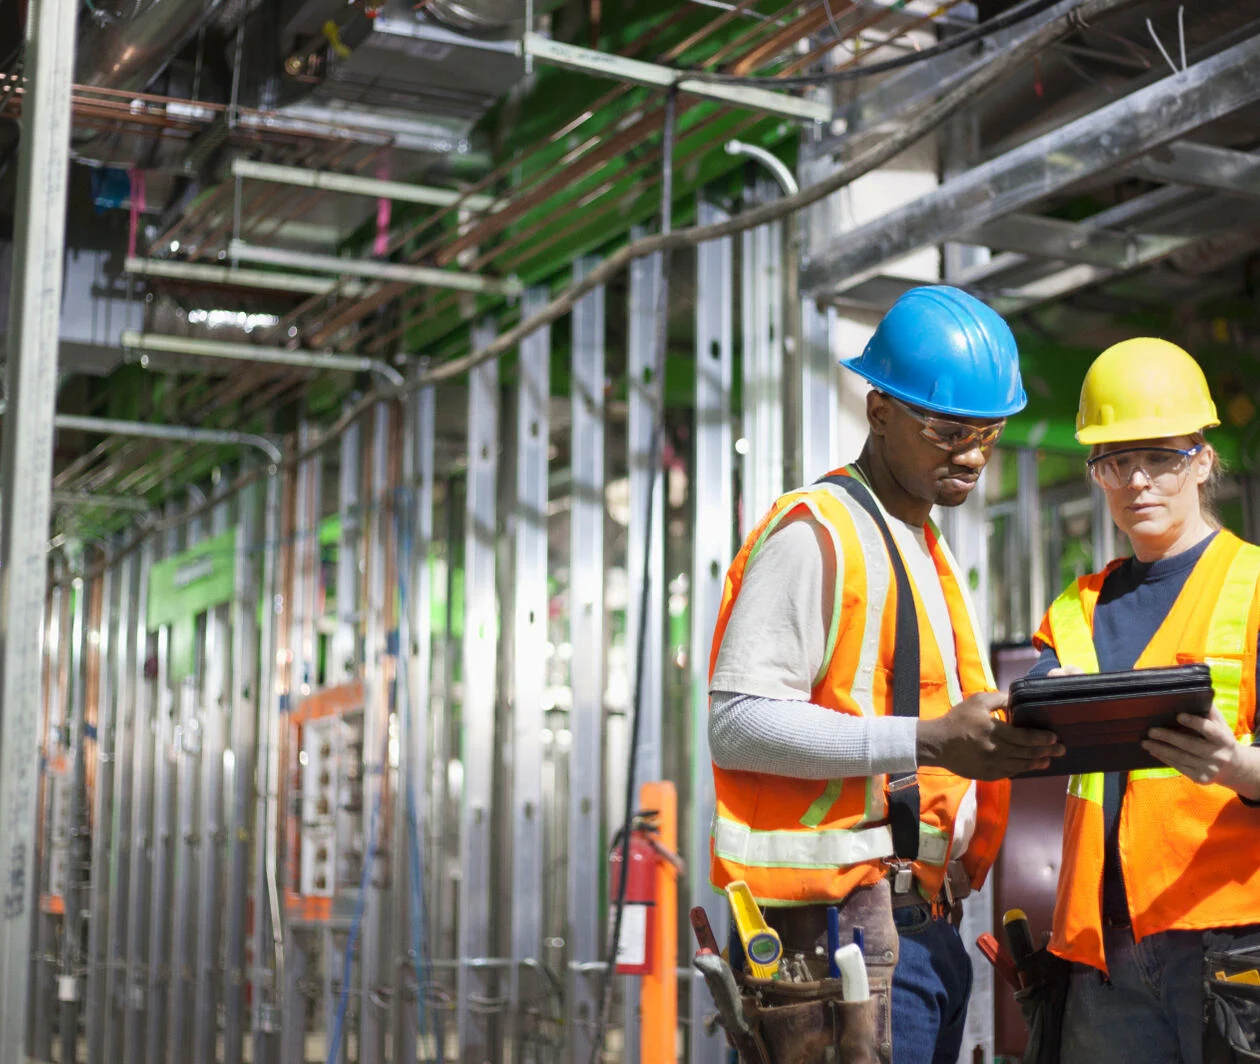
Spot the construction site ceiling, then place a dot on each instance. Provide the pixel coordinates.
(560, 164)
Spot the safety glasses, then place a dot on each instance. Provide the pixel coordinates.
(953, 436)
(1163, 468)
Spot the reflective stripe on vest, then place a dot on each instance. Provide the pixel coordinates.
(831, 848)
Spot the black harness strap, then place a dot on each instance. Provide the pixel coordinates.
(903, 790)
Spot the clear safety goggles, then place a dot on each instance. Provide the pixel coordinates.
(957, 437)
(1162, 468)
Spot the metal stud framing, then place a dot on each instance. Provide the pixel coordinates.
(529, 639)
(761, 308)
(114, 979)
(139, 879)
(645, 532)
(586, 637)
(215, 699)
(268, 946)
(239, 779)
(69, 828)
(375, 736)
(99, 884)
(817, 395)
(476, 979)
(415, 639)
(186, 749)
(159, 912)
(711, 554)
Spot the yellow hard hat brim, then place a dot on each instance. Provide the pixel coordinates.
(1148, 428)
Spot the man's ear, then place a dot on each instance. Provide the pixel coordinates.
(877, 411)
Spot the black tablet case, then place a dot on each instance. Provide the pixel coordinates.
(1103, 717)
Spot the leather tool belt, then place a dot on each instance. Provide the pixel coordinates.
(802, 1016)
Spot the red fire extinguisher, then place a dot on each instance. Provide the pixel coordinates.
(636, 943)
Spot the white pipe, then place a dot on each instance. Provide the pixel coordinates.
(384, 271)
(354, 185)
(770, 161)
(278, 356)
(229, 276)
(176, 433)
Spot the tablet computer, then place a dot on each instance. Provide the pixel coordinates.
(1102, 718)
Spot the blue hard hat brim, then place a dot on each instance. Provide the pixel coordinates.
(917, 401)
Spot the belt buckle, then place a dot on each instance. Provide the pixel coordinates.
(902, 875)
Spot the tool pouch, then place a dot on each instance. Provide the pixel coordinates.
(811, 1023)
(1042, 1002)
(1231, 1011)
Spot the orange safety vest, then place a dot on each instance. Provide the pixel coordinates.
(1188, 852)
(797, 841)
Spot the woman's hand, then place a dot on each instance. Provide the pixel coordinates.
(1208, 754)
(1066, 670)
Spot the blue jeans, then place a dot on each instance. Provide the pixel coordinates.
(930, 990)
(1151, 1009)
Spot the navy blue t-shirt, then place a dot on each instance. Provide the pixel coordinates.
(1134, 600)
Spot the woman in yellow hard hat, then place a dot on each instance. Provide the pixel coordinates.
(1163, 864)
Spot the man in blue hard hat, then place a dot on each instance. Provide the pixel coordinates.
(857, 759)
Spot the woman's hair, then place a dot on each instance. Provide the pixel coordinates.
(1210, 488)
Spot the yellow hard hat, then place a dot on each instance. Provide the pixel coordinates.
(1143, 389)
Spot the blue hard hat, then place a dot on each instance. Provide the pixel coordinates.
(940, 349)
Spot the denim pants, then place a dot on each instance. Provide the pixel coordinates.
(930, 990)
(1150, 1011)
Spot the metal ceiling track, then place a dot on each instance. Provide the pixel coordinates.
(619, 68)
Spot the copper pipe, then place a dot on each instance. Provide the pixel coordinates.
(748, 37)
(811, 21)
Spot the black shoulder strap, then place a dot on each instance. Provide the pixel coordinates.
(903, 791)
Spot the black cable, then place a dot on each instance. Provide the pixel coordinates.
(834, 77)
(653, 469)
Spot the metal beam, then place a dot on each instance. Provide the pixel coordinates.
(354, 185)
(276, 356)
(1098, 141)
(1057, 283)
(425, 276)
(1053, 238)
(1185, 163)
(606, 65)
(230, 277)
(30, 379)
